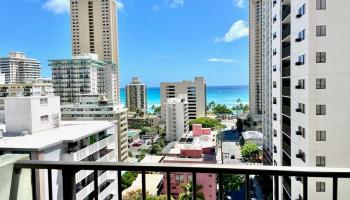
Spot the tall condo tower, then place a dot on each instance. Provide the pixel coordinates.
(94, 28)
(310, 110)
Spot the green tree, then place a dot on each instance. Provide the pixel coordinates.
(128, 178)
(188, 191)
(156, 109)
(207, 123)
(238, 107)
(221, 109)
(137, 195)
(250, 152)
(232, 182)
(211, 105)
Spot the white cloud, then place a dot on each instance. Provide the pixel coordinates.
(57, 6)
(239, 29)
(238, 3)
(177, 3)
(156, 8)
(120, 5)
(222, 60)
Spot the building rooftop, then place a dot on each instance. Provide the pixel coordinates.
(188, 141)
(69, 131)
(249, 135)
(153, 183)
(152, 159)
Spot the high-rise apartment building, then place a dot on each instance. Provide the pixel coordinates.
(310, 109)
(33, 127)
(94, 28)
(93, 107)
(255, 59)
(18, 68)
(196, 96)
(176, 114)
(136, 95)
(84, 74)
(260, 70)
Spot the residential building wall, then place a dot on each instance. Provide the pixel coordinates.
(300, 119)
(84, 74)
(18, 68)
(97, 107)
(136, 95)
(255, 58)
(94, 28)
(176, 114)
(36, 113)
(196, 93)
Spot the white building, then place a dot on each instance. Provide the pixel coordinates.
(176, 115)
(136, 95)
(96, 107)
(18, 68)
(94, 28)
(84, 74)
(30, 88)
(196, 96)
(33, 127)
(310, 72)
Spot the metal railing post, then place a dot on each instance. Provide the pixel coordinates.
(143, 185)
(305, 182)
(119, 179)
(247, 184)
(221, 190)
(335, 188)
(168, 189)
(276, 189)
(49, 180)
(194, 185)
(95, 184)
(68, 176)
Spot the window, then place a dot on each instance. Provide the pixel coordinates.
(320, 4)
(301, 36)
(320, 161)
(301, 60)
(189, 178)
(301, 107)
(274, 68)
(179, 178)
(44, 118)
(320, 83)
(43, 101)
(320, 186)
(274, 35)
(321, 31)
(301, 84)
(301, 11)
(320, 57)
(274, 100)
(320, 135)
(301, 131)
(320, 109)
(274, 116)
(274, 84)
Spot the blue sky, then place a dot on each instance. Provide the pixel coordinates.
(159, 40)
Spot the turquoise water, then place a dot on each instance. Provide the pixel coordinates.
(219, 94)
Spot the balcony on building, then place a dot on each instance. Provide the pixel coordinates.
(285, 68)
(285, 50)
(286, 13)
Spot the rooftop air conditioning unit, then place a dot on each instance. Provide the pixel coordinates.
(298, 110)
(298, 40)
(298, 63)
(298, 15)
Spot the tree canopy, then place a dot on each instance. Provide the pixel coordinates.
(137, 195)
(207, 123)
(232, 182)
(221, 109)
(250, 151)
(188, 190)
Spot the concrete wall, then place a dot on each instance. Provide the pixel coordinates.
(14, 185)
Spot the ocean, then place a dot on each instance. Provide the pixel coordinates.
(219, 94)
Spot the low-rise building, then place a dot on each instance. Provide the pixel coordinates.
(33, 127)
(92, 107)
(198, 146)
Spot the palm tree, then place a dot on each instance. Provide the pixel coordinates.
(238, 107)
(187, 192)
(245, 108)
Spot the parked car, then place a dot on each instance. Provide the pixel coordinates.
(136, 144)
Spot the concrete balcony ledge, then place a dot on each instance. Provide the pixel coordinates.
(11, 182)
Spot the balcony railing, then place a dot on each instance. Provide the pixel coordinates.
(285, 71)
(285, 32)
(69, 168)
(286, 91)
(286, 52)
(285, 12)
(286, 110)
